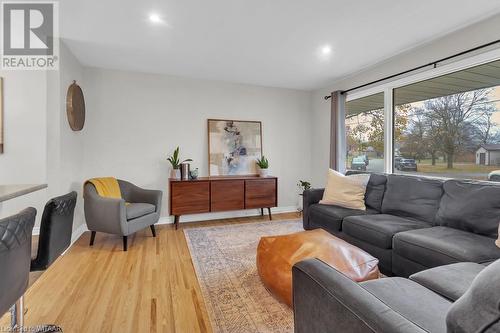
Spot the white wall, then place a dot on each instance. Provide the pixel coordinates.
(472, 36)
(24, 98)
(65, 148)
(39, 145)
(134, 120)
(25, 145)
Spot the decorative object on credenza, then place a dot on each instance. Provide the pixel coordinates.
(75, 107)
(185, 172)
(1, 115)
(193, 174)
(233, 146)
(263, 166)
(176, 163)
(302, 185)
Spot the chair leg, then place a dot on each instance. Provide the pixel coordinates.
(124, 243)
(92, 238)
(17, 321)
(17, 315)
(152, 226)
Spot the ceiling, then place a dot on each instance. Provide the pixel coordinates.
(270, 43)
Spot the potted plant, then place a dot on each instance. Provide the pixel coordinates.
(263, 166)
(302, 185)
(176, 163)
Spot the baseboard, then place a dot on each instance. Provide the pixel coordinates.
(78, 232)
(226, 215)
(191, 218)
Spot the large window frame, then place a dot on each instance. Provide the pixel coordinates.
(388, 90)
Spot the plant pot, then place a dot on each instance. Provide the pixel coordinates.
(300, 203)
(175, 173)
(263, 172)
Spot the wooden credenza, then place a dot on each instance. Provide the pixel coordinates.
(219, 194)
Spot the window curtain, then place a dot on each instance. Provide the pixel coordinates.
(337, 111)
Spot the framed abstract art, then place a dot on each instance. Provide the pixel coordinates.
(233, 147)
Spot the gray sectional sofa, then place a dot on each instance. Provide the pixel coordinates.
(415, 223)
(455, 298)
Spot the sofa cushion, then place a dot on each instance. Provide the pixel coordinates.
(329, 217)
(470, 206)
(450, 281)
(412, 301)
(478, 309)
(438, 246)
(135, 210)
(379, 229)
(375, 189)
(414, 197)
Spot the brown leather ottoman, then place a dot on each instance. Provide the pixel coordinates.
(277, 254)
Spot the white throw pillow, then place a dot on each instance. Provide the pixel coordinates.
(345, 191)
(497, 242)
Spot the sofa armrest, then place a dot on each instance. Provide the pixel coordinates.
(147, 196)
(450, 281)
(310, 197)
(325, 300)
(135, 194)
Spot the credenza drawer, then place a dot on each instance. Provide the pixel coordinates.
(227, 195)
(190, 197)
(260, 193)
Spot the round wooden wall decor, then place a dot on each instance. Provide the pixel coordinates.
(75, 107)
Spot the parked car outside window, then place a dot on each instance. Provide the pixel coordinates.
(405, 164)
(494, 176)
(358, 163)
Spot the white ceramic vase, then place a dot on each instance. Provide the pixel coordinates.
(263, 172)
(300, 203)
(175, 173)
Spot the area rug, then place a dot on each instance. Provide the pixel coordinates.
(224, 260)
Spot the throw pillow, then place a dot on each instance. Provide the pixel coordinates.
(345, 191)
(497, 242)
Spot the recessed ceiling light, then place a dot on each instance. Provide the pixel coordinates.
(326, 50)
(155, 18)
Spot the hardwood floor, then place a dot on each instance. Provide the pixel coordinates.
(150, 288)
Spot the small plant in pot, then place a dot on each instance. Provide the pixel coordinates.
(302, 185)
(176, 164)
(263, 166)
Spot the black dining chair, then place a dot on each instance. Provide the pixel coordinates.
(55, 230)
(15, 255)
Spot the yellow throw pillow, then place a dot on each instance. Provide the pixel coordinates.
(345, 191)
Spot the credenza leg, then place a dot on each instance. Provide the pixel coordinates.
(269, 212)
(262, 212)
(176, 221)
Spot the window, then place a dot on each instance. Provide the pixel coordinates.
(365, 133)
(449, 126)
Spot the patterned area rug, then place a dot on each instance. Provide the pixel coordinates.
(224, 260)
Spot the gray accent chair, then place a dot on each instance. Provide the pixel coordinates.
(138, 209)
(461, 297)
(15, 258)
